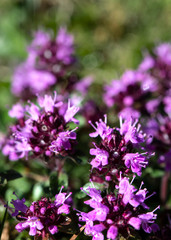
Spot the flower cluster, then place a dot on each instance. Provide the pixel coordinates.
(146, 91)
(41, 130)
(120, 150)
(143, 90)
(117, 212)
(42, 216)
(132, 94)
(47, 63)
(159, 66)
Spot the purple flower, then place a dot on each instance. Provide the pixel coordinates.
(43, 216)
(35, 81)
(47, 63)
(160, 128)
(32, 222)
(112, 232)
(17, 111)
(146, 219)
(113, 213)
(120, 148)
(65, 44)
(130, 132)
(130, 94)
(102, 130)
(147, 63)
(71, 111)
(136, 161)
(40, 39)
(158, 67)
(163, 52)
(43, 130)
(83, 85)
(101, 158)
(63, 141)
(18, 206)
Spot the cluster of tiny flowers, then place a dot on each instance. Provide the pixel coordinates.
(120, 149)
(159, 66)
(146, 92)
(131, 94)
(117, 213)
(146, 89)
(47, 63)
(42, 217)
(41, 129)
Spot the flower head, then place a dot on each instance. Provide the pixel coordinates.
(47, 63)
(43, 216)
(43, 131)
(120, 148)
(114, 213)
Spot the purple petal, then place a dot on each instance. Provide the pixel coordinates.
(53, 229)
(112, 232)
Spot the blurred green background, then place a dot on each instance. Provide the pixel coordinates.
(110, 37)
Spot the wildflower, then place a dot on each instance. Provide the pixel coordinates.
(120, 148)
(158, 65)
(43, 216)
(131, 93)
(115, 213)
(47, 63)
(44, 130)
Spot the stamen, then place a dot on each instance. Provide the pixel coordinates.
(132, 179)
(142, 183)
(105, 118)
(92, 125)
(150, 195)
(120, 121)
(156, 208)
(62, 187)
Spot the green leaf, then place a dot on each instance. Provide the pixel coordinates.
(63, 180)
(9, 175)
(93, 185)
(82, 194)
(3, 221)
(37, 191)
(155, 173)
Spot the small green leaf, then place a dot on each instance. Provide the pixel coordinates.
(155, 173)
(80, 195)
(37, 191)
(93, 185)
(63, 180)
(9, 175)
(3, 221)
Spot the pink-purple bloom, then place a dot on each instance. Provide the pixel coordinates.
(43, 130)
(131, 93)
(120, 148)
(43, 216)
(47, 63)
(116, 212)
